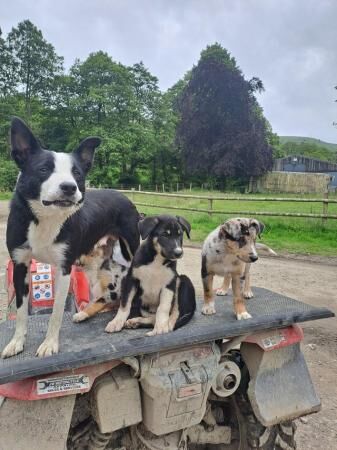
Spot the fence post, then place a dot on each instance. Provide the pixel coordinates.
(163, 187)
(190, 187)
(177, 187)
(133, 194)
(325, 207)
(139, 187)
(210, 206)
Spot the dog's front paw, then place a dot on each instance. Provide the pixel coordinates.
(159, 329)
(221, 292)
(115, 325)
(248, 294)
(208, 309)
(132, 323)
(14, 347)
(80, 316)
(48, 347)
(243, 315)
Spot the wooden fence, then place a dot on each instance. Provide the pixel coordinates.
(210, 210)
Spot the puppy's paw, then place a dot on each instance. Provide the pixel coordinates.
(48, 347)
(221, 292)
(248, 294)
(14, 347)
(115, 325)
(244, 315)
(159, 329)
(80, 316)
(208, 309)
(132, 323)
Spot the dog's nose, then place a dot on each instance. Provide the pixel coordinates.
(253, 257)
(68, 188)
(178, 252)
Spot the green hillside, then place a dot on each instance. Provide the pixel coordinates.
(308, 140)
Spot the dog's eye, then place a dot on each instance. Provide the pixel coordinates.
(43, 169)
(76, 172)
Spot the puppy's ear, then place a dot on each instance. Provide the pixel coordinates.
(185, 225)
(147, 225)
(23, 142)
(85, 152)
(231, 228)
(259, 226)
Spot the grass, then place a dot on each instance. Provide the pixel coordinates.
(291, 234)
(6, 195)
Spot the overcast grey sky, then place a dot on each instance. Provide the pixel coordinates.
(290, 44)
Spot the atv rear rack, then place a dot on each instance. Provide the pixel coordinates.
(86, 343)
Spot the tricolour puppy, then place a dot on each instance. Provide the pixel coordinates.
(53, 220)
(228, 252)
(105, 269)
(158, 296)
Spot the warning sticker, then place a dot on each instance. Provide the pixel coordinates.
(62, 384)
(273, 341)
(42, 291)
(42, 282)
(43, 268)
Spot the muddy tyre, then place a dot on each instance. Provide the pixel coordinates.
(253, 435)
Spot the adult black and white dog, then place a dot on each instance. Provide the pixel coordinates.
(53, 220)
(153, 294)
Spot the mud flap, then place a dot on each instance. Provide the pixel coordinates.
(39, 424)
(280, 386)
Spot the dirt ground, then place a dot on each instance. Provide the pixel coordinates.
(312, 280)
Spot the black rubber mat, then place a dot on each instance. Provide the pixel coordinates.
(86, 343)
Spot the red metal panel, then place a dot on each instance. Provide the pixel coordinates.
(28, 389)
(277, 338)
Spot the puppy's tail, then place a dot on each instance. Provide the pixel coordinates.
(265, 248)
(186, 301)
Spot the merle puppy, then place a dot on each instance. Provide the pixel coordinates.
(228, 251)
(53, 220)
(153, 291)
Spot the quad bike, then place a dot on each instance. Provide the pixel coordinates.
(214, 384)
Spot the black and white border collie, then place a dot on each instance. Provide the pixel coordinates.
(53, 220)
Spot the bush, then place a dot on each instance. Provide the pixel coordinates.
(8, 175)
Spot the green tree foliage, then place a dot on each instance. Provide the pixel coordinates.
(124, 105)
(33, 62)
(222, 130)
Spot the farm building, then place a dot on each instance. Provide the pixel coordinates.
(308, 165)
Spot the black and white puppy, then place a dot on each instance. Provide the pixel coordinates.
(53, 220)
(153, 291)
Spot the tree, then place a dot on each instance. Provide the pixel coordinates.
(35, 61)
(222, 130)
(8, 75)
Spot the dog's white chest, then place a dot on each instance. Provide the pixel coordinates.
(41, 239)
(153, 277)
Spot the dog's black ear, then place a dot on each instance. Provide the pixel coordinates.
(147, 225)
(259, 226)
(23, 142)
(85, 152)
(185, 225)
(231, 228)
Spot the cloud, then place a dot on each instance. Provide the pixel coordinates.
(290, 45)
